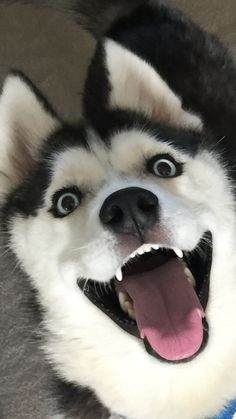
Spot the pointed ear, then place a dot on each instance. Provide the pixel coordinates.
(26, 120)
(136, 86)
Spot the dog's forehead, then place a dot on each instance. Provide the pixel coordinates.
(126, 152)
(129, 149)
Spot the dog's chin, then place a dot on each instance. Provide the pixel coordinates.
(160, 295)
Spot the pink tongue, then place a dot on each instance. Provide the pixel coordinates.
(167, 310)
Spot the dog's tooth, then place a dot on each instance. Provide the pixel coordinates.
(123, 298)
(119, 275)
(126, 304)
(141, 251)
(190, 276)
(147, 248)
(155, 246)
(178, 252)
(129, 307)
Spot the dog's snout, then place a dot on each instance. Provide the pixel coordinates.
(131, 210)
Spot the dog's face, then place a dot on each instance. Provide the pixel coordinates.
(130, 244)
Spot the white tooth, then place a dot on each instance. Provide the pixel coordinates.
(126, 303)
(178, 252)
(155, 246)
(147, 248)
(123, 298)
(119, 275)
(140, 251)
(190, 277)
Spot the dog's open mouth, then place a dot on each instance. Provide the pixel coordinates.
(160, 296)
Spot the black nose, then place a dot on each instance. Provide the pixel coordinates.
(130, 210)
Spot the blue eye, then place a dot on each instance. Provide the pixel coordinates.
(66, 201)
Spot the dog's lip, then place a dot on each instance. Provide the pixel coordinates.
(107, 301)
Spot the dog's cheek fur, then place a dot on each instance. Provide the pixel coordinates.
(67, 249)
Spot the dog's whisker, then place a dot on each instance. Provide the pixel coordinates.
(86, 284)
(108, 287)
(96, 290)
(79, 249)
(5, 252)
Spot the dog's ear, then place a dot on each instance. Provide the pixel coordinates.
(136, 86)
(26, 120)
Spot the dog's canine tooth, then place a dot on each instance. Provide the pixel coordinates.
(119, 275)
(155, 246)
(178, 252)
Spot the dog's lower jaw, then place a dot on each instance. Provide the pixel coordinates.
(112, 363)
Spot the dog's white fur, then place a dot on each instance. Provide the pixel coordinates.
(85, 346)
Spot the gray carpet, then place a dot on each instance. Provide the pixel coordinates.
(54, 53)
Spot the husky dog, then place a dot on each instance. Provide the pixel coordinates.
(125, 223)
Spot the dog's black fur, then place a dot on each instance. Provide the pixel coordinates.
(194, 64)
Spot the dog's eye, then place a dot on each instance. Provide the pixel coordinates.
(66, 201)
(164, 166)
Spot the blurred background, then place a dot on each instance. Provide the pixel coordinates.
(54, 52)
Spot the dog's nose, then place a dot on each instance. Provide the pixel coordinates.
(130, 210)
